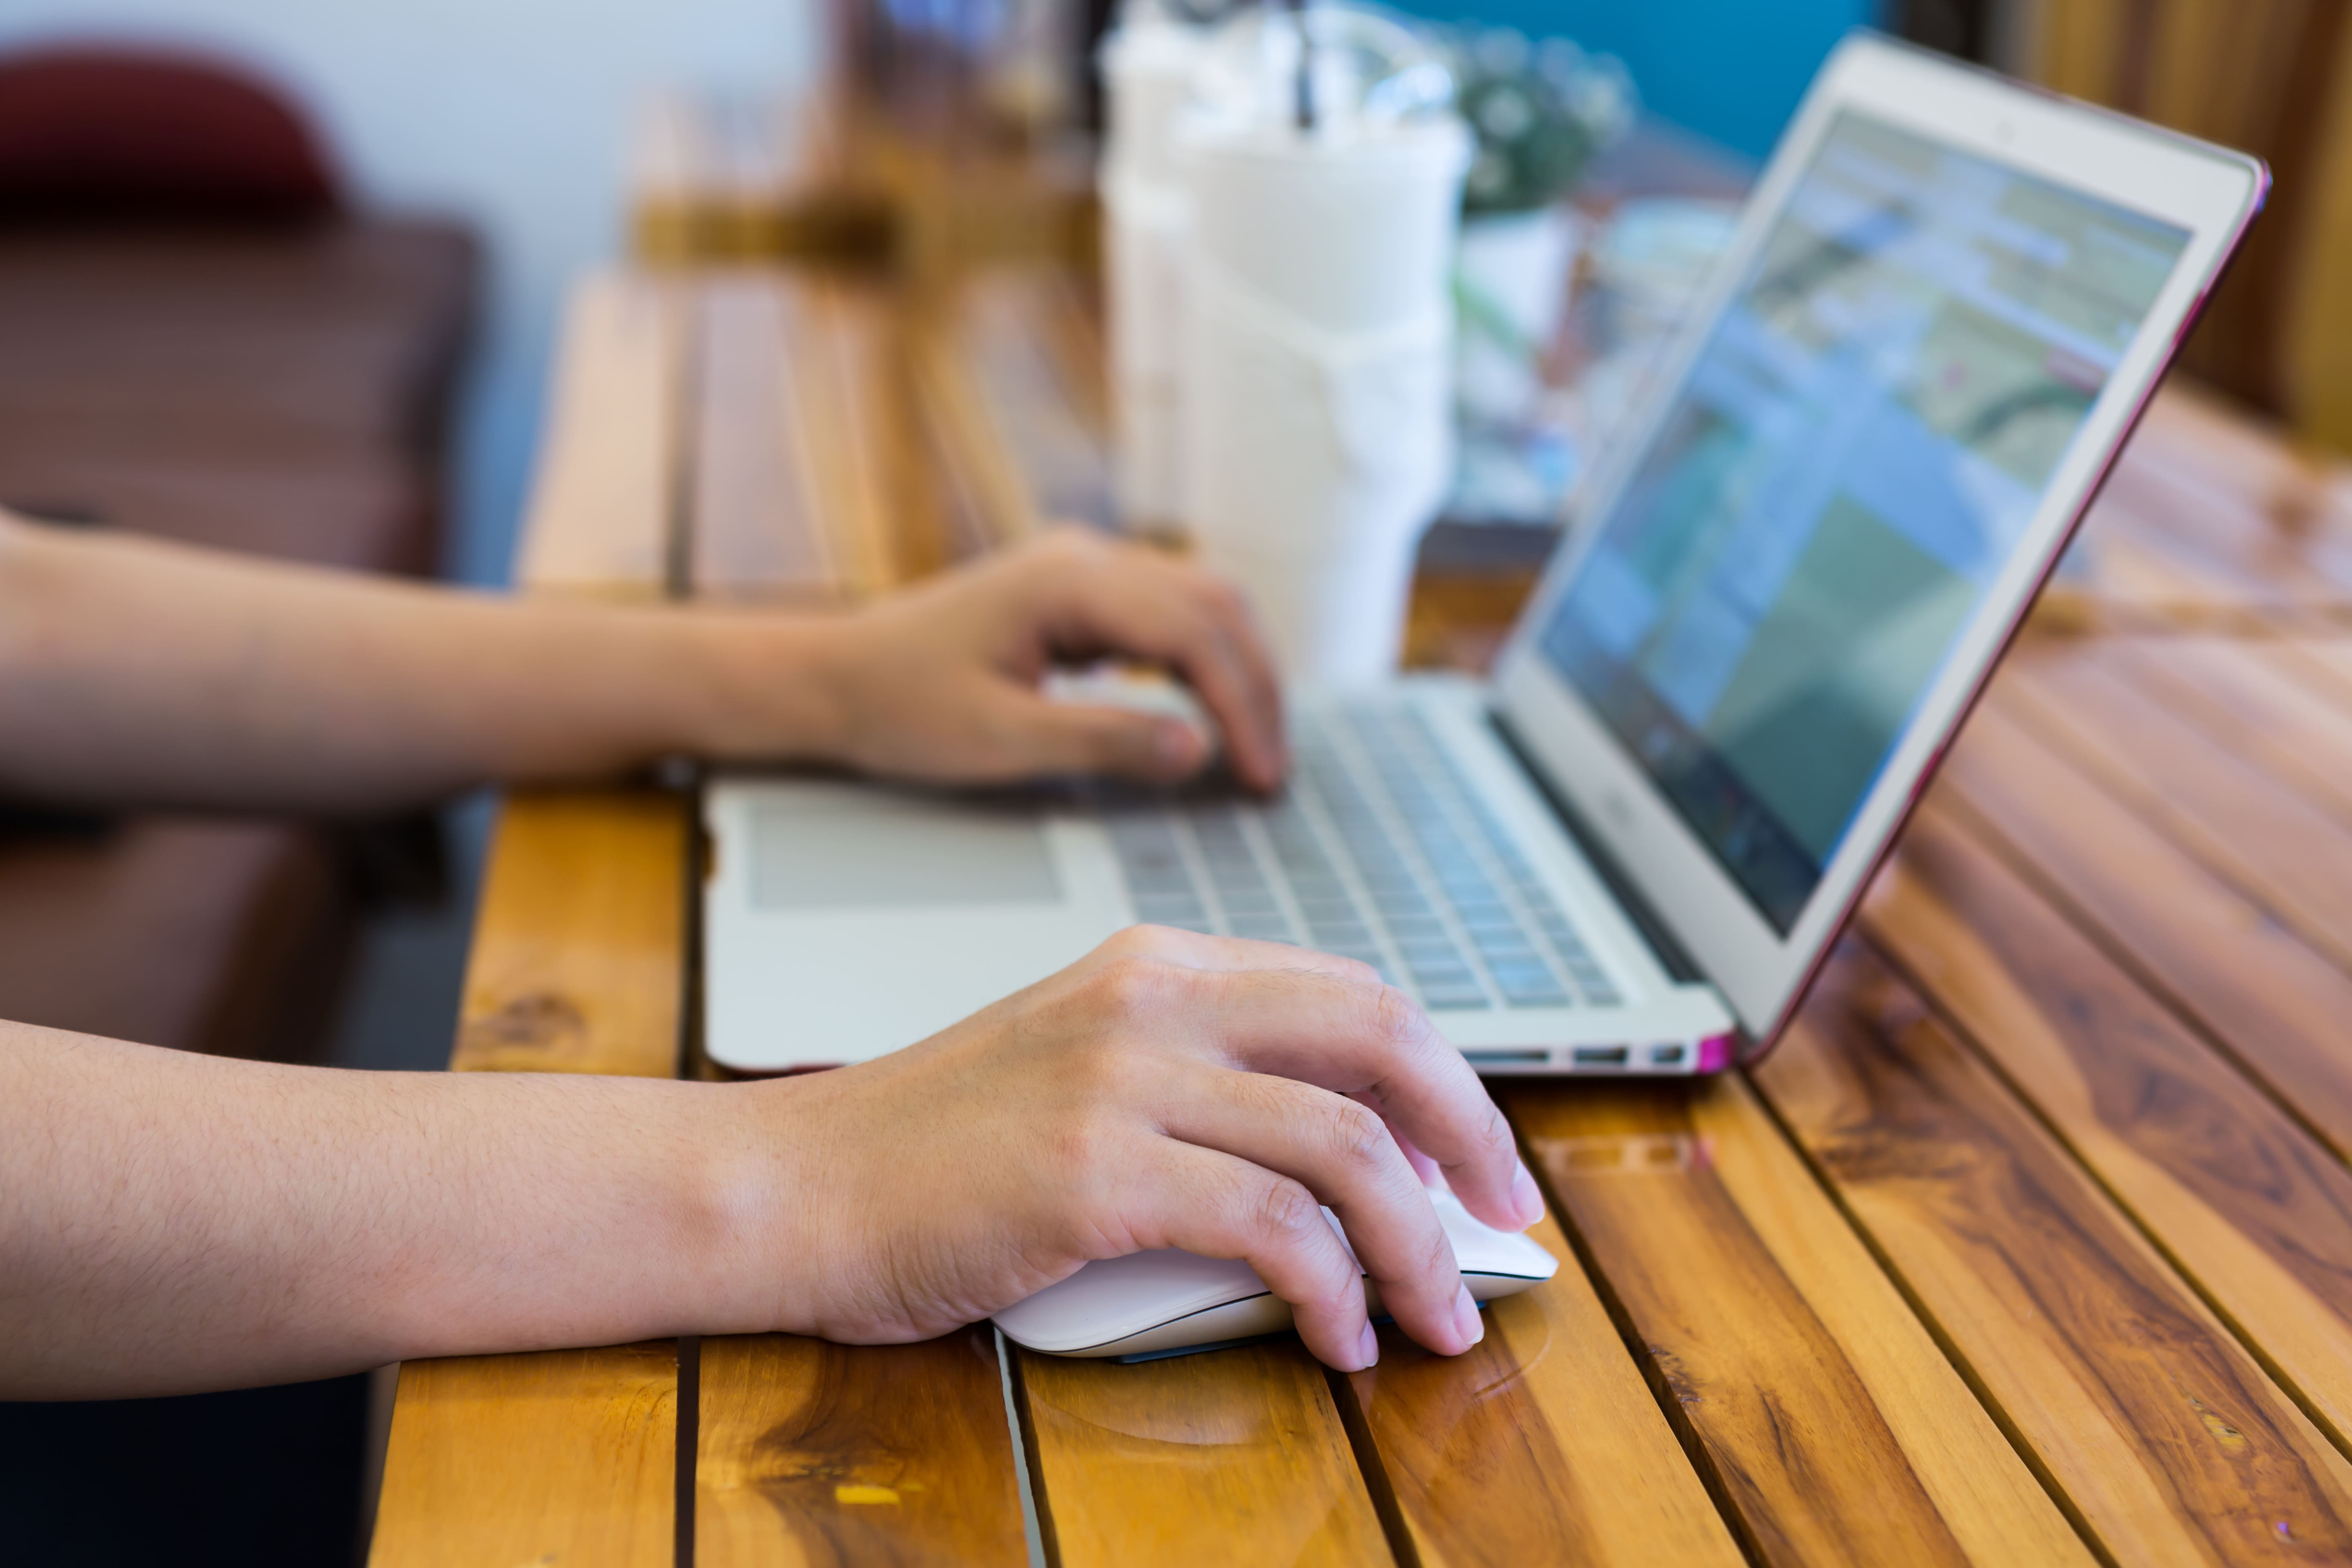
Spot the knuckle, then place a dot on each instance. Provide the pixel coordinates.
(1135, 942)
(1359, 1138)
(1132, 985)
(1288, 1212)
(1496, 1133)
(1397, 1021)
(1221, 593)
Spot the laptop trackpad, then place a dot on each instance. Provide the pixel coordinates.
(867, 849)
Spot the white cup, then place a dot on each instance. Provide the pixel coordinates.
(1317, 418)
(1146, 67)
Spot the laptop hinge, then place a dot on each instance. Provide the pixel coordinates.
(1662, 945)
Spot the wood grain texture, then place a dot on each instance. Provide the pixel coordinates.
(2287, 853)
(2272, 1001)
(579, 940)
(754, 529)
(2254, 1210)
(2164, 1436)
(1002, 361)
(599, 520)
(813, 1454)
(2259, 698)
(737, 179)
(2218, 501)
(563, 1457)
(1827, 1421)
(1233, 1457)
(795, 440)
(1541, 1444)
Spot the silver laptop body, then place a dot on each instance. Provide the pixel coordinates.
(1946, 305)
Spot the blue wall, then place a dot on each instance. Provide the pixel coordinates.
(1729, 69)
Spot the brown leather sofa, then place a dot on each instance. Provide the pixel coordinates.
(198, 341)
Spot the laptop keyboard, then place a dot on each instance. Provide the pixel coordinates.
(1378, 851)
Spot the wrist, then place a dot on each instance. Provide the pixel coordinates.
(750, 1200)
(763, 686)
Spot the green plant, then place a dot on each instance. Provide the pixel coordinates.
(1539, 112)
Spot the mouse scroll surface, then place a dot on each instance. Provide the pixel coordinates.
(1152, 1303)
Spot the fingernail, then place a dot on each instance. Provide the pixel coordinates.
(1526, 1199)
(1367, 1348)
(1467, 1321)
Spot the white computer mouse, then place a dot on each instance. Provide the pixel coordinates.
(1158, 1303)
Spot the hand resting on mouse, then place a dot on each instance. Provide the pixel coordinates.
(1168, 1091)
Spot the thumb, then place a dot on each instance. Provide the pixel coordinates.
(1050, 737)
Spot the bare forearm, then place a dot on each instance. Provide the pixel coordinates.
(171, 1222)
(138, 672)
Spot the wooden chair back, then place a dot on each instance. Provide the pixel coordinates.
(2270, 77)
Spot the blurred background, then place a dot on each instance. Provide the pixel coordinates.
(287, 276)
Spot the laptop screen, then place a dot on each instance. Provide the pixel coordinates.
(1860, 441)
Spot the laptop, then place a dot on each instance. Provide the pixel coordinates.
(1944, 308)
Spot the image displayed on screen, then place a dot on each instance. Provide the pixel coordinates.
(1856, 450)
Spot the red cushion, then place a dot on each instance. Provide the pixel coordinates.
(123, 133)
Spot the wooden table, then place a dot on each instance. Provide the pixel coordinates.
(2032, 1243)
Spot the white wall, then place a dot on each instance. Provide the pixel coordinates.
(511, 114)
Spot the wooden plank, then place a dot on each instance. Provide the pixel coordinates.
(1820, 1410)
(1026, 431)
(579, 937)
(2210, 521)
(2161, 1433)
(2326, 661)
(576, 967)
(755, 528)
(1541, 1444)
(736, 179)
(2253, 697)
(564, 1457)
(810, 480)
(598, 522)
(855, 404)
(2163, 1121)
(1235, 1457)
(809, 1453)
(2272, 999)
(2276, 846)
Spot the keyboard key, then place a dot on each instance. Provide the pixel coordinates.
(1414, 927)
(1547, 995)
(1453, 998)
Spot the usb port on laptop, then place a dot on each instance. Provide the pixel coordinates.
(1492, 1058)
(1601, 1056)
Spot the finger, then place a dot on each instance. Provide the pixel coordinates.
(1133, 602)
(1344, 1153)
(1371, 1041)
(1213, 1204)
(1225, 604)
(1422, 1165)
(1042, 735)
